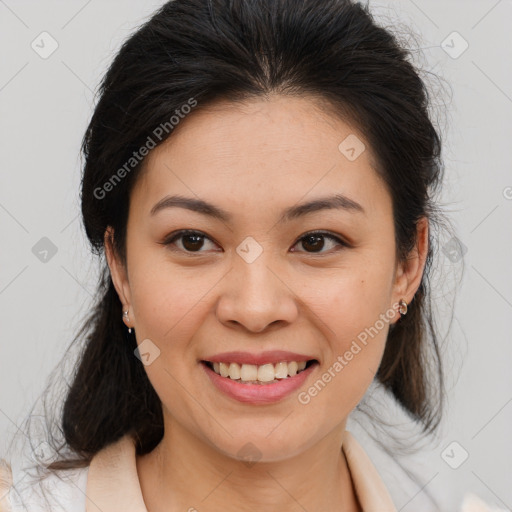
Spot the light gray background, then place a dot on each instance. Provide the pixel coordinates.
(45, 105)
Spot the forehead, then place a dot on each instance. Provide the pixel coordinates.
(280, 149)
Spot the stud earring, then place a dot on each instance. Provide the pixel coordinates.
(402, 307)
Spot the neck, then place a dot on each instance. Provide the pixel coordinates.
(185, 473)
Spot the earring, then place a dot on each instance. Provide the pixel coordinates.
(126, 319)
(402, 307)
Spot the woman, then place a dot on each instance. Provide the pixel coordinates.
(260, 176)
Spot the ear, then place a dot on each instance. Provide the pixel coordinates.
(410, 272)
(117, 269)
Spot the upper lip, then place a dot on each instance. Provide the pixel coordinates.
(268, 357)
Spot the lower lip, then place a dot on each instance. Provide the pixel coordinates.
(258, 393)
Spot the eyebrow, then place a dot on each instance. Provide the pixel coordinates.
(335, 202)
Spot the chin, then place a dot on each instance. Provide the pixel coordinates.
(262, 447)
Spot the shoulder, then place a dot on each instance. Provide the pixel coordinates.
(472, 503)
(5, 485)
(407, 460)
(21, 490)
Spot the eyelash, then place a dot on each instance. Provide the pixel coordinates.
(179, 234)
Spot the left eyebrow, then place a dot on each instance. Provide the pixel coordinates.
(335, 202)
(338, 201)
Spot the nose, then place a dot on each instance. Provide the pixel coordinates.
(257, 296)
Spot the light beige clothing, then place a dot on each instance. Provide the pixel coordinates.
(111, 484)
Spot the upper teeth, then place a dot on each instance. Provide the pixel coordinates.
(263, 373)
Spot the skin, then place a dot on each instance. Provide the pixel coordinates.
(254, 160)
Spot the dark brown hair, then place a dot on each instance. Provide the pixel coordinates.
(237, 50)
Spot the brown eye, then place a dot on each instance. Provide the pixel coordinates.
(315, 242)
(191, 241)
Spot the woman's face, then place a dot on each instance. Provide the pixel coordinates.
(253, 282)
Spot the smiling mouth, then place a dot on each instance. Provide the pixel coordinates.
(259, 374)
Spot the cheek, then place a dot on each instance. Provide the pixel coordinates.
(356, 330)
(164, 294)
(352, 298)
(169, 305)
(355, 315)
(166, 305)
